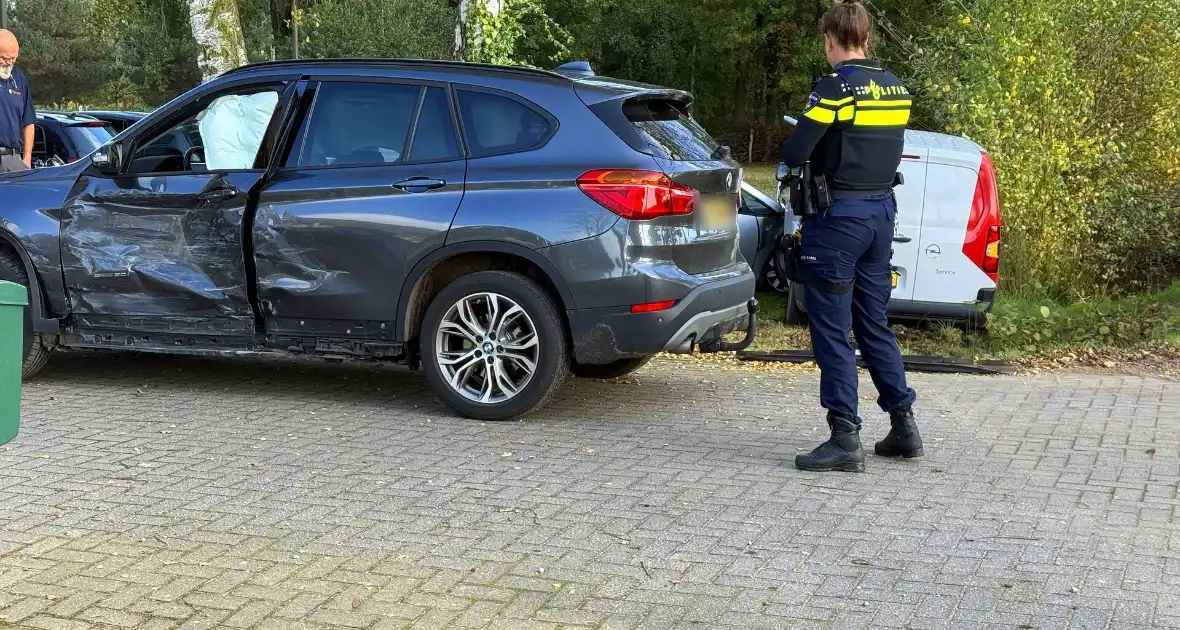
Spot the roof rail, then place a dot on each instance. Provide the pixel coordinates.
(425, 64)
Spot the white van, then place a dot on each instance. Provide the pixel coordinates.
(946, 238)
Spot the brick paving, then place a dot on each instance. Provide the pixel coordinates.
(182, 493)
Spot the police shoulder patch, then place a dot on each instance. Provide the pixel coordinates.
(813, 100)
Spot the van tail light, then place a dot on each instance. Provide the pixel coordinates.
(982, 241)
(638, 195)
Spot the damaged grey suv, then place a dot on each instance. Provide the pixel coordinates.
(498, 227)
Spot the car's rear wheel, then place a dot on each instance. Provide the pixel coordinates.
(615, 369)
(37, 346)
(493, 346)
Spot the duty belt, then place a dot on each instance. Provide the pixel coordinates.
(860, 194)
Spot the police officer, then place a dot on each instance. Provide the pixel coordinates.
(16, 109)
(852, 132)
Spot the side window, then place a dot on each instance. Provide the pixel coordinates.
(223, 135)
(434, 138)
(358, 123)
(494, 125)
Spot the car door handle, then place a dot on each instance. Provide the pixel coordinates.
(218, 194)
(419, 184)
(901, 238)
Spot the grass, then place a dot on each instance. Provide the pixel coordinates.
(1019, 329)
(761, 176)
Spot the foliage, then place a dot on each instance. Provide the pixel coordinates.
(377, 28)
(1076, 102)
(514, 32)
(1039, 325)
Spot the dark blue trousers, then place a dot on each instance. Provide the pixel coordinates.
(850, 246)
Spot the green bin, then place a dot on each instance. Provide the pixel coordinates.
(13, 300)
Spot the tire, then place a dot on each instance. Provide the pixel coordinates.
(446, 331)
(772, 281)
(37, 347)
(614, 369)
(793, 313)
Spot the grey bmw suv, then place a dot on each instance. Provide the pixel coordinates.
(497, 227)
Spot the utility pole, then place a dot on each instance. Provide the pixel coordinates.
(3, 13)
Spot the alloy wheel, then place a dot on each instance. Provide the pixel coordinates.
(487, 347)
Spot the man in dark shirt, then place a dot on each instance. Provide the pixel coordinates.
(16, 109)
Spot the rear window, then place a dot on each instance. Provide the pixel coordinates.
(87, 139)
(670, 131)
(496, 125)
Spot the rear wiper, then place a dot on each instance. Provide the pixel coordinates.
(721, 153)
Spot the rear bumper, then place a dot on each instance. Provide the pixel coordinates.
(971, 313)
(603, 335)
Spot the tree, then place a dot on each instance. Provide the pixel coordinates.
(509, 32)
(218, 33)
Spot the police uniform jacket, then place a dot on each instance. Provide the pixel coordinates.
(853, 129)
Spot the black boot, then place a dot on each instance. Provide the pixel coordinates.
(903, 439)
(841, 452)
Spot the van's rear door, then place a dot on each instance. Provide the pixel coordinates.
(907, 228)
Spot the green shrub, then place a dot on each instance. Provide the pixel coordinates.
(1032, 325)
(1077, 104)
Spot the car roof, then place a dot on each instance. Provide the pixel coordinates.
(65, 117)
(124, 115)
(933, 140)
(576, 73)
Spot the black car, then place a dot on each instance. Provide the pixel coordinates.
(117, 120)
(66, 137)
(500, 227)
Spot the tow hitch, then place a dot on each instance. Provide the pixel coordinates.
(718, 344)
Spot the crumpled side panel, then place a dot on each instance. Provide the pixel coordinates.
(287, 260)
(150, 251)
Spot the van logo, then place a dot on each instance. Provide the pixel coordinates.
(933, 251)
(728, 181)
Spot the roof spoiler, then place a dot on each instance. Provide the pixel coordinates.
(575, 68)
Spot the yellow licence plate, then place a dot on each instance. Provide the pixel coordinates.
(718, 213)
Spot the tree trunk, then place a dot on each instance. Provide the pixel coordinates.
(461, 32)
(218, 32)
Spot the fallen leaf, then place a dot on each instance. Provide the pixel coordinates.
(356, 603)
(1150, 451)
(939, 470)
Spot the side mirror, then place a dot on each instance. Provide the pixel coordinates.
(108, 159)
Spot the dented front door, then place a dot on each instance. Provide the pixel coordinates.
(159, 252)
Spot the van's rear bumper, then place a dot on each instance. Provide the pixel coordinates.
(603, 335)
(970, 313)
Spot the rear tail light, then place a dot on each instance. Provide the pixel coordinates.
(638, 195)
(982, 242)
(652, 307)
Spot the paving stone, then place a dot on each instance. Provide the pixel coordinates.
(150, 492)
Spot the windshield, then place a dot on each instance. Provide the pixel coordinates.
(88, 139)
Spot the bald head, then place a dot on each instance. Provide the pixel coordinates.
(9, 49)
